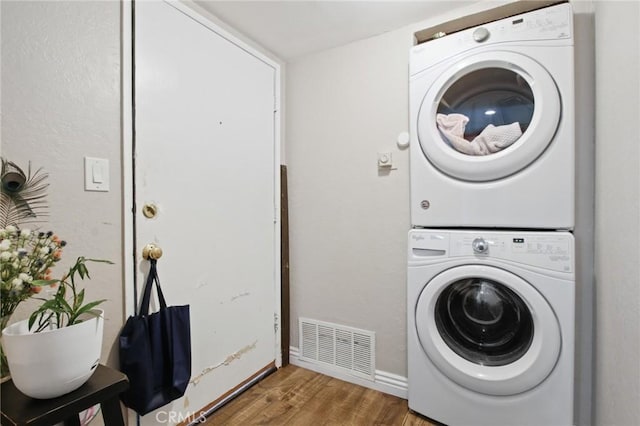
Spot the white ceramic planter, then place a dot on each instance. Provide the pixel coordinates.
(53, 362)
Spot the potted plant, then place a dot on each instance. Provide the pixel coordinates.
(24, 255)
(56, 350)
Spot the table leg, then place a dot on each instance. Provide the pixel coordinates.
(111, 412)
(73, 421)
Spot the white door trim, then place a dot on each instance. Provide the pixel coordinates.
(126, 82)
(129, 259)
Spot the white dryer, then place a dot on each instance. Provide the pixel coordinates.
(491, 327)
(492, 125)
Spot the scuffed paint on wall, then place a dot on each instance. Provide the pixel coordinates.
(246, 293)
(232, 299)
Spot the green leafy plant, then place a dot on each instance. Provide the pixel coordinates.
(67, 305)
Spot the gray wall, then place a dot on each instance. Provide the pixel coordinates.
(61, 102)
(349, 223)
(617, 344)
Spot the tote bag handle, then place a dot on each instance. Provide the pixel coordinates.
(153, 277)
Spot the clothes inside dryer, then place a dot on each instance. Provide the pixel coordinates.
(492, 95)
(485, 111)
(491, 140)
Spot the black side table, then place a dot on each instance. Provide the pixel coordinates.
(102, 388)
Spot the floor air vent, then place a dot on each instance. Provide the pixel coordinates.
(349, 349)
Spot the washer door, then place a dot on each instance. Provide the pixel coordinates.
(488, 330)
(488, 116)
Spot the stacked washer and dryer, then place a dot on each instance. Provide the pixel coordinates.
(491, 259)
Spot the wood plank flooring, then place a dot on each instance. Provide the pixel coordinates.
(299, 397)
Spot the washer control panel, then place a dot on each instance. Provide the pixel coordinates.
(480, 245)
(549, 250)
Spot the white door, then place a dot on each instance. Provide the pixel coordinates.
(206, 158)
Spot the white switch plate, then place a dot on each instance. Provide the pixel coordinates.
(96, 174)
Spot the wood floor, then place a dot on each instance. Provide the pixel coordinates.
(296, 396)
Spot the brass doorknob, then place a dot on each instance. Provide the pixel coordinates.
(151, 251)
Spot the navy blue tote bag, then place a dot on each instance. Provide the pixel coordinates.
(155, 352)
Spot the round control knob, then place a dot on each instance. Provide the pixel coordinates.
(480, 245)
(481, 34)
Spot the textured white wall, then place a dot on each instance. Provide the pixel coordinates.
(585, 188)
(348, 222)
(61, 102)
(617, 380)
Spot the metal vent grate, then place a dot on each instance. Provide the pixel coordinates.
(345, 348)
(309, 345)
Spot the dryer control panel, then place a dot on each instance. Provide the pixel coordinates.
(549, 250)
(552, 25)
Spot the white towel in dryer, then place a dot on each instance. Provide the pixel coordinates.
(492, 138)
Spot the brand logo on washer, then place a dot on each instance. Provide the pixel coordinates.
(425, 204)
(417, 237)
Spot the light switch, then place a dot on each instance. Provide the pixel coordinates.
(96, 174)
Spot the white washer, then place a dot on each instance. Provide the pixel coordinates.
(491, 327)
(516, 70)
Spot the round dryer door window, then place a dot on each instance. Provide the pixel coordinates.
(488, 329)
(488, 116)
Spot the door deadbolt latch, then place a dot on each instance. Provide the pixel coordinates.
(149, 210)
(151, 251)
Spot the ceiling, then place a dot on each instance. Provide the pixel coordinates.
(294, 28)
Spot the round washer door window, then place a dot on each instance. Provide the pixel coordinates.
(488, 116)
(484, 321)
(488, 330)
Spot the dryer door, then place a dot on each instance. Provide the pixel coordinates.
(488, 116)
(488, 330)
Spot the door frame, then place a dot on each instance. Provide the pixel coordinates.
(130, 257)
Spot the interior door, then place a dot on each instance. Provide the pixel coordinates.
(206, 179)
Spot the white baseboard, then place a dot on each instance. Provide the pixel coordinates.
(390, 383)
